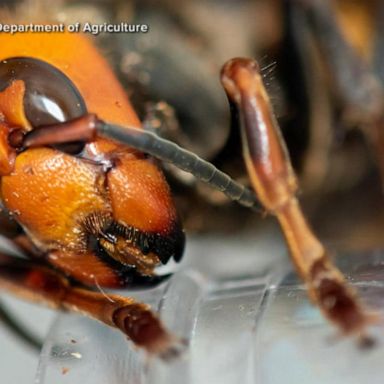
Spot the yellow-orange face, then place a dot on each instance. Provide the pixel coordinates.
(102, 212)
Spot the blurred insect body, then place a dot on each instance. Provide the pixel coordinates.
(332, 50)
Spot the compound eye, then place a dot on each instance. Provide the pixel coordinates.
(50, 96)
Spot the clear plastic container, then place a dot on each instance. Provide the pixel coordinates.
(249, 324)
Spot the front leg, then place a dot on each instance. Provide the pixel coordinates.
(275, 183)
(37, 282)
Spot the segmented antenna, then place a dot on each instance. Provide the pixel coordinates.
(86, 127)
(168, 151)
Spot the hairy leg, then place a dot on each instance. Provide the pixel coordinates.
(37, 282)
(275, 183)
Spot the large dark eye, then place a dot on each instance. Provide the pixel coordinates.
(50, 97)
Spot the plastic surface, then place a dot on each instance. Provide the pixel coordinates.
(251, 327)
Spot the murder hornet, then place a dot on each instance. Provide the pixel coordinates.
(94, 209)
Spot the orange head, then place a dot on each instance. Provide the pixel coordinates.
(100, 203)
